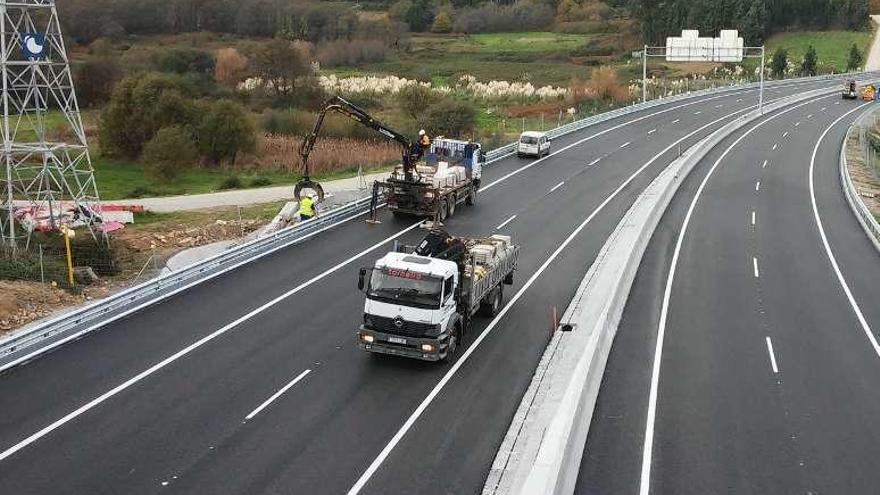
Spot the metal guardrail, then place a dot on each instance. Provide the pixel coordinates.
(72, 325)
(863, 214)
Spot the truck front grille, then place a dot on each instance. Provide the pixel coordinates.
(408, 328)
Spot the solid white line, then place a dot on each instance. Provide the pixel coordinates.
(676, 121)
(190, 348)
(651, 416)
(765, 164)
(772, 356)
(505, 223)
(775, 145)
(852, 300)
(755, 266)
(652, 131)
(753, 219)
(386, 451)
(624, 145)
(276, 395)
(557, 186)
(785, 134)
(758, 186)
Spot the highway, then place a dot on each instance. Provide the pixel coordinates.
(747, 360)
(252, 382)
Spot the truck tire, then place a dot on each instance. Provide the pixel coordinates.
(471, 198)
(452, 200)
(492, 306)
(452, 346)
(444, 209)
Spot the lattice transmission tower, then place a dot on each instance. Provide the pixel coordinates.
(48, 179)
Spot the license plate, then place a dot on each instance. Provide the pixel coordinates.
(397, 340)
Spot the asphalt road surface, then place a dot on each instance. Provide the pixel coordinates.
(763, 377)
(253, 383)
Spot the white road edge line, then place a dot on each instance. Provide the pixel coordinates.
(852, 300)
(505, 222)
(398, 436)
(772, 356)
(651, 416)
(755, 266)
(195, 345)
(557, 186)
(188, 349)
(276, 395)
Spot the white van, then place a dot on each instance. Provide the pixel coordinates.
(533, 143)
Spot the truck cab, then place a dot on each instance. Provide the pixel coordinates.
(410, 308)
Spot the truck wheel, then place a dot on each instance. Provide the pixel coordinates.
(452, 346)
(443, 210)
(493, 305)
(451, 202)
(471, 198)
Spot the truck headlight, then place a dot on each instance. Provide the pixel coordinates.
(428, 348)
(368, 339)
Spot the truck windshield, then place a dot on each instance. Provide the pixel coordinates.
(405, 287)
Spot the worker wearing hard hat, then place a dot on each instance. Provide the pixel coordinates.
(422, 144)
(307, 209)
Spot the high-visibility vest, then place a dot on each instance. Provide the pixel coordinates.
(306, 207)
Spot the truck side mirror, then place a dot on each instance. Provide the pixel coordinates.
(362, 275)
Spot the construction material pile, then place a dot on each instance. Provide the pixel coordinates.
(486, 253)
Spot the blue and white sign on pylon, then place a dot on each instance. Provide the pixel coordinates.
(33, 45)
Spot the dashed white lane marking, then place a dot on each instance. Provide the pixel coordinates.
(775, 145)
(719, 106)
(597, 160)
(772, 356)
(753, 219)
(557, 186)
(624, 145)
(276, 395)
(797, 124)
(652, 131)
(785, 134)
(512, 218)
(698, 112)
(739, 100)
(810, 116)
(758, 186)
(676, 121)
(764, 165)
(755, 266)
(822, 109)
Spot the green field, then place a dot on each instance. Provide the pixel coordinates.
(832, 47)
(540, 57)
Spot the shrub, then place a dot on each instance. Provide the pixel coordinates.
(260, 181)
(140, 106)
(450, 118)
(442, 23)
(604, 85)
(300, 123)
(342, 52)
(231, 67)
(95, 80)
(224, 131)
(169, 152)
(183, 60)
(231, 182)
(415, 98)
(492, 17)
(141, 192)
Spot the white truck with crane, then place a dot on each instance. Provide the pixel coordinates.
(421, 300)
(449, 175)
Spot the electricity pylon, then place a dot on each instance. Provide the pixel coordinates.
(49, 180)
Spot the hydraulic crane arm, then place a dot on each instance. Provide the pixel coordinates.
(352, 111)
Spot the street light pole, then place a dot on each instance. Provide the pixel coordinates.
(645, 74)
(761, 93)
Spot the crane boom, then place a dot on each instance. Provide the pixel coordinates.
(352, 111)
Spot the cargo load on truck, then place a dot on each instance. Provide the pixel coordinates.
(850, 91)
(421, 300)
